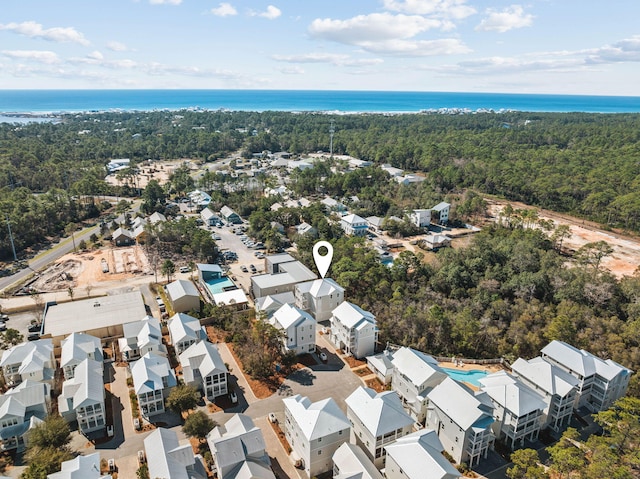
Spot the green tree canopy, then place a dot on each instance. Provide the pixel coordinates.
(183, 398)
(198, 425)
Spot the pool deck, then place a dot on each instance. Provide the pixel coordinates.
(489, 368)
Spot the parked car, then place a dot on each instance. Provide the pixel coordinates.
(34, 328)
(136, 423)
(184, 269)
(141, 458)
(323, 357)
(4, 317)
(244, 269)
(234, 397)
(33, 336)
(3, 326)
(252, 268)
(272, 418)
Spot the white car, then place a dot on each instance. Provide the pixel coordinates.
(234, 397)
(272, 417)
(323, 357)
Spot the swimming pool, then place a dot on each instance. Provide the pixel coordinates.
(470, 376)
(219, 285)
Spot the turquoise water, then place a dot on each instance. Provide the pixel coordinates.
(304, 100)
(218, 285)
(470, 376)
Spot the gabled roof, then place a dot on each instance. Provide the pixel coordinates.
(382, 362)
(272, 302)
(353, 463)
(353, 219)
(288, 315)
(148, 371)
(417, 366)
(215, 268)
(461, 405)
(570, 357)
(166, 458)
(226, 211)
(380, 413)
(86, 387)
(80, 467)
(30, 393)
(181, 288)
(352, 316)
(78, 346)
(157, 217)
(32, 355)
(122, 232)
(206, 213)
(204, 357)
(318, 419)
(547, 376)
(419, 455)
(443, 205)
(11, 406)
(320, 287)
(512, 394)
(140, 333)
(182, 326)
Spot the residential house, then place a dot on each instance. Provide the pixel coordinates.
(354, 225)
(409, 179)
(333, 205)
(418, 456)
(21, 409)
(298, 165)
(167, 458)
(141, 337)
(350, 462)
(230, 216)
(183, 295)
(306, 229)
(314, 431)
(442, 209)
(31, 360)
(299, 329)
(82, 397)
(76, 348)
(557, 387)
(377, 420)
(374, 223)
(285, 279)
(279, 227)
(462, 420)
(85, 467)
(157, 218)
(600, 382)
(153, 379)
(353, 330)
(199, 199)
(209, 217)
(357, 163)
(420, 218)
(203, 368)
(517, 409)
(437, 241)
(414, 375)
(267, 305)
(273, 261)
(392, 171)
(139, 230)
(382, 366)
(122, 237)
(184, 330)
(239, 450)
(320, 297)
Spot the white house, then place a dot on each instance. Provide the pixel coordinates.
(442, 209)
(320, 297)
(141, 337)
(153, 379)
(354, 225)
(437, 241)
(82, 397)
(85, 467)
(314, 431)
(306, 229)
(391, 170)
(299, 329)
(421, 218)
(414, 375)
(238, 450)
(374, 223)
(418, 456)
(517, 409)
(350, 462)
(377, 420)
(558, 388)
(381, 366)
(167, 458)
(209, 217)
(280, 276)
(21, 409)
(462, 420)
(183, 295)
(76, 348)
(184, 330)
(31, 360)
(600, 382)
(203, 368)
(267, 305)
(353, 330)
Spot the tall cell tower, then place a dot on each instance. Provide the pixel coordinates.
(332, 130)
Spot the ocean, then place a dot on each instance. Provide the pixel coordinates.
(65, 101)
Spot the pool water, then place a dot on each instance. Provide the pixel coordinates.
(219, 285)
(472, 376)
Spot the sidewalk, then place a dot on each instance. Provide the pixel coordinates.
(236, 372)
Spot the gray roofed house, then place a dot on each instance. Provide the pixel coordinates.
(203, 368)
(209, 217)
(31, 360)
(269, 304)
(167, 458)
(375, 223)
(141, 337)
(442, 209)
(21, 409)
(157, 218)
(238, 450)
(153, 379)
(462, 420)
(315, 431)
(320, 297)
(306, 229)
(82, 397)
(419, 456)
(517, 409)
(229, 215)
(353, 330)
(287, 276)
(80, 467)
(184, 296)
(184, 330)
(381, 366)
(350, 462)
(76, 348)
(122, 237)
(354, 225)
(377, 421)
(299, 329)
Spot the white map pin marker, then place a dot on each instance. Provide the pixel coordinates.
(322, 262)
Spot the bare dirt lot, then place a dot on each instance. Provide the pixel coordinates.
(157, 170)
(626, 249)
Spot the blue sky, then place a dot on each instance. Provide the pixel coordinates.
(541, 46)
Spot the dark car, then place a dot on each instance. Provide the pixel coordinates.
(34, 328)
(252, 268)
(244, 269)
(33, 336)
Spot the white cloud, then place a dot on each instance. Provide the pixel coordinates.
(56, 34)
(117, 46)
(627, 50)
(292, 71)
(418, 48)
(445, 8)
(508, 19)
(271, 13)
(41, 56)
(96, 55)
(165, 2)
(332, 58)
(224, 10)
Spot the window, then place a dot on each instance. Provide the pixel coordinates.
(320, 452)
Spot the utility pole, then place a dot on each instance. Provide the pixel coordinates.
(13, 246)
(332, 130)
